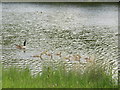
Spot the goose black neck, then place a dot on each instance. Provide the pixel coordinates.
(25, 43)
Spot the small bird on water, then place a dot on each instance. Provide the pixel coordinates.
(21, 46)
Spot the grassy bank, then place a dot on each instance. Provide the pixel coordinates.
(60, 78)
(0, 77)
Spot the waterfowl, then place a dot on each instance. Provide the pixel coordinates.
(38, 56)
(21, 46)
(77, 57)
(58, 54)
(73, 58)
(90, 59)
(87, 59)
(67, 58)
(46, 53)
(50, 55)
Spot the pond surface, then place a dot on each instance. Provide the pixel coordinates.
(80, 28)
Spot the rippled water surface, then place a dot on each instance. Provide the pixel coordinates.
(84, 29)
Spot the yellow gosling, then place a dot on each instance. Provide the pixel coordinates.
(50, 55)
(38, 56)
(87, 59)
(67, 58)
(76, 57)
(90, 59)
(46, 53)
(42, 54)
(73, 58)
(59, 54)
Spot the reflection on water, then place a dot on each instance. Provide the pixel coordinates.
(83, 29)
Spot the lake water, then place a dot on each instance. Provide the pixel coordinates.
(71, 28)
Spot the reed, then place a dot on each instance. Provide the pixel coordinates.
(56, 78)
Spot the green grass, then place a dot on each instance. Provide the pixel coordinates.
(60, 78)
(0, 76)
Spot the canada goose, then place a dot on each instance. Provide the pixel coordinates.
(21, 46)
